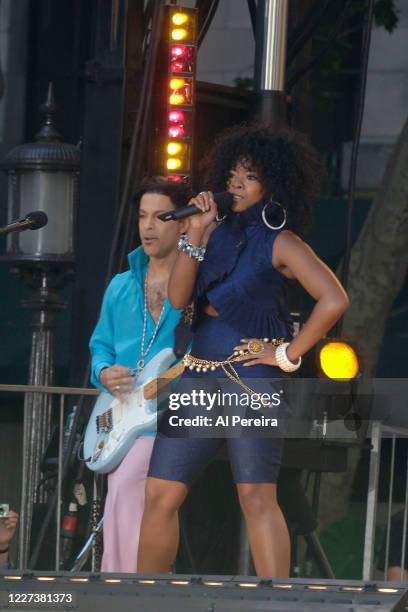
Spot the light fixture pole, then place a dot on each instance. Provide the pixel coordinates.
(42, 175)
(270, 62)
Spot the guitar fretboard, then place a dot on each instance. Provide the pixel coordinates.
(156, 386)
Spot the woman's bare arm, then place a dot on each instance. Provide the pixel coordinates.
(184, 273)
(295, 259)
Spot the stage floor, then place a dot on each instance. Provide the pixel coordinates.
(150, 593)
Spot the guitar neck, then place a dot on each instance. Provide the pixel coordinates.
(156, 386)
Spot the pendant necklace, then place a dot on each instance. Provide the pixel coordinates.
(144, 351)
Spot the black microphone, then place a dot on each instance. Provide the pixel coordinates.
(33, 220)
(223, 200)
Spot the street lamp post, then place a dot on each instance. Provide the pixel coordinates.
(42, 175)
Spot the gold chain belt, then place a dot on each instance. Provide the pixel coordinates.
(203, 365)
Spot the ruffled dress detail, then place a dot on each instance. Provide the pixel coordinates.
(238, 280)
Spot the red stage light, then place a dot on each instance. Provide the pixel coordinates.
(176, 116)
(176, 131)
(178, 50)
(178, 66)
(181, 71)
(182, 58)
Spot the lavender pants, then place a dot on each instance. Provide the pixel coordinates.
(124, 508)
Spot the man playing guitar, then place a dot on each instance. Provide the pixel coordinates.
(136, 322)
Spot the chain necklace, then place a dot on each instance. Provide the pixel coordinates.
(144, 351)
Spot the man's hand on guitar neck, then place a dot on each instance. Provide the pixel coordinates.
(117, 380)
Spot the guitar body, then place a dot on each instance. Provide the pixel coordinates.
(114, 425)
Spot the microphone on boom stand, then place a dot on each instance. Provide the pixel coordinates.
(33, 220)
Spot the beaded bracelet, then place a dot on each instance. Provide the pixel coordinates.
(282, 359)
(191, 250)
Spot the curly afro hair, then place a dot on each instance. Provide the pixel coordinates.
(287, 165)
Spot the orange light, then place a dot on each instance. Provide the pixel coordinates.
(177, 83)
(316, 587)
(176, 99)
(339, 360)
(179, 34)
(174, 163)
(352, 588)
(179, 19)
(174, 157)
(173, 148)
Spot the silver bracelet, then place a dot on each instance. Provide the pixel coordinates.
(283, 361)
(191, 250)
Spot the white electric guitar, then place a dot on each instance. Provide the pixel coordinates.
(114, 425)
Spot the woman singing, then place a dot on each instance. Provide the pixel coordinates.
(236, 270)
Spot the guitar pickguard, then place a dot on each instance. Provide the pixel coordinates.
(114, 425)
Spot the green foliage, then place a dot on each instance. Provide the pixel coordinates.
(244, 83)
(341, 60)
(386, 14)
(340, 57)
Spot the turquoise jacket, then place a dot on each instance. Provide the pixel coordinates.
(118, 333)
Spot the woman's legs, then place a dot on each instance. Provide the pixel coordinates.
(159, 535)
(124, 508)
(174, 462)
(267, 531)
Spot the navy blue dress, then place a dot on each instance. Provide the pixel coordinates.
(238, 280)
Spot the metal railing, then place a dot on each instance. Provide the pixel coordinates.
(378, 433)
(26, 500)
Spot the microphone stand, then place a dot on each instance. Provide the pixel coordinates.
(19, 226)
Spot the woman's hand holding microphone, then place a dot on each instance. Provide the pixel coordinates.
(201, 225)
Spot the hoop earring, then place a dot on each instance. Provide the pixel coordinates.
(264, 219)
(220, 219)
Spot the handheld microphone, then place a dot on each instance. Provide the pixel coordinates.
(223, 200)
(33, 220)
